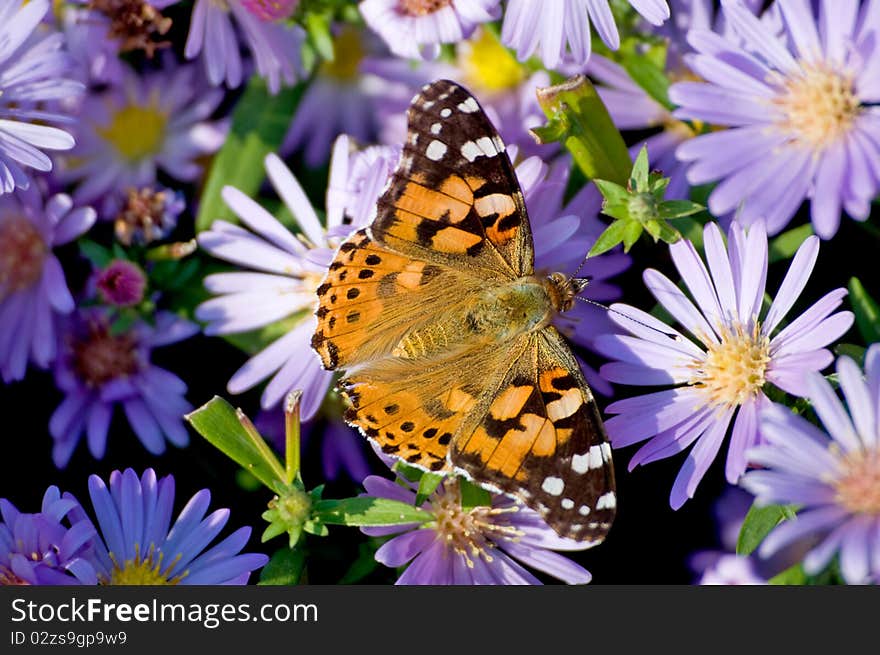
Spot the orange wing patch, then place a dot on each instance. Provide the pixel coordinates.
(364, 300)
(542, 440)
(404, 423)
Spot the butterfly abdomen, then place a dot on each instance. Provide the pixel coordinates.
(498, 314)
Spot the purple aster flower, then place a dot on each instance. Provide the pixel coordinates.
(415, 28)
(719, 376)
(345, 95)
(731, 570)
(95, 57)
(274, 44)
(40, 549)
(800, 109)
(632, 108)
(99, 368)
(137, 543)
(128, 133)
(32, 73)
(33, 288)
(506, 89)
(285, 270)
(476, 546)
(833, 478)
(558, 26)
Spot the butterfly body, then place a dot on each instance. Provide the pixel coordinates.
(444, 330)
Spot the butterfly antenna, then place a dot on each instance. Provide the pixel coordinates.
(671, 335)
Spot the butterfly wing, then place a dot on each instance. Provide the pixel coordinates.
(454, 198)
(542, 440)
(415, 409)
(372, 296)
(451, 220)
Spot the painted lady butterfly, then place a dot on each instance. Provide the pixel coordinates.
(444, 330)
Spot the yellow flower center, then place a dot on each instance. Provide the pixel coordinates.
(136, 131)
(22, 253)
(101, 356)
(734, 368)
(421, 7)
(470, 533)
(487, 65)
(348, 52)
(819, 105)
(858, 488)
(143, 571)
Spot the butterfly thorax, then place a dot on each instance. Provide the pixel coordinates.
(499, 313)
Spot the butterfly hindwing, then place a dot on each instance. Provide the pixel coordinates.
(414, 409)
(454, 197)
(542, 440)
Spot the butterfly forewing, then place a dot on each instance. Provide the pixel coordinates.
(454, 195)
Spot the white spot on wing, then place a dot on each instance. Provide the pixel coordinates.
(567, 503)
(485, 144)
(436, 150)
(596, 459)
(607, 501)
(470, 150)
(583, 510)
(580, 463)
(446, 112)
(468, 106)
(553, 486)
(436, 127)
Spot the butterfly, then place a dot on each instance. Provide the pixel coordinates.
(443, 329)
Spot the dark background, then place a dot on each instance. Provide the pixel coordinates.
(648, 544)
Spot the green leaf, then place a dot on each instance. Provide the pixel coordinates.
(612, 236)
(794, 575)
(638, 179)
(408, 472)
(284, 568)
(579, 120)
(692, 230)
(631, 232)
(259, 123)
(318, 29)
(473, 495)
(364, 564)
(866, 310)
(662, 231)
(646, 72)
(97, 254)
(612, 192)
(671, 209)
(852, 351)
(758, 524)
(786, 244)
(428, 483)
(368, 511)
(221, 424)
